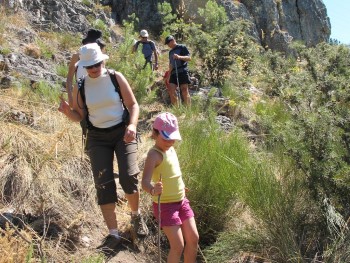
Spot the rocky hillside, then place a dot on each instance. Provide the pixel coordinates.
(22, 57)
(276, 22)
(34, 18)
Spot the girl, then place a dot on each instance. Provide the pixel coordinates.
(162, 176)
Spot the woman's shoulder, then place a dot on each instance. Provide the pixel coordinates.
(111, 71)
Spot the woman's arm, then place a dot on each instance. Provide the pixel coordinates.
(132, 105)
(70, 77)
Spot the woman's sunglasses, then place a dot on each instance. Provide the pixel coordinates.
(97, 65)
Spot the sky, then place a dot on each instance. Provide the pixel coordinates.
(338, 12)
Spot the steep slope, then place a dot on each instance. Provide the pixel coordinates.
(276, 22)
(47, 191)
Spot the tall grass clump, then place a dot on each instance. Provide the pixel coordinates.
(262, 199)
(68, 40)
(339, 250)
(62, 70)
(313, 93)
(45, 92)
(282, 221)
(44, 180)
(212, 179)
(46, 48)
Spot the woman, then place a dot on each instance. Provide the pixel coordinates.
(108, 135)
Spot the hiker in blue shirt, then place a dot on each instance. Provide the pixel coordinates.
(148, 49)
(179, 76)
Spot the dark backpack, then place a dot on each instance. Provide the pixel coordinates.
(148, 58)
(86, 124)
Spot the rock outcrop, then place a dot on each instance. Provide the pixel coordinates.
(42, 15)
(276, 22)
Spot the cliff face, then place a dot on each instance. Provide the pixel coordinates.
(276, 22)
(279, 21)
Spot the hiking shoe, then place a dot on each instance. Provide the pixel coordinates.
(109, 244)
(139, 225)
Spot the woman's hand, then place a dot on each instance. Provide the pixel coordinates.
(130, 133)
(64, 106)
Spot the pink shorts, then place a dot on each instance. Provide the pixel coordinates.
(173, 214)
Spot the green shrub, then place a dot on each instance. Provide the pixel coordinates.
(41, 91)
(312, 129)
(68, 40)
(215, 17)
(99, 24)
(205, 165)
(62, 70)
(47, 50)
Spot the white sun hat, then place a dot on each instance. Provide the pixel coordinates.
(90, 54)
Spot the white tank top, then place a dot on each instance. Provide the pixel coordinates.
(103, 102)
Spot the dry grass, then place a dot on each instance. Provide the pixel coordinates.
(12, 248)
(10, 22)
(33, 51)
(44, 179)
(42, 173)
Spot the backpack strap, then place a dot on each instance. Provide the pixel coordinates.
(114, 80)
(126, 115)
(81, 90)
(149, 42)
(137, 45)
(85, 124)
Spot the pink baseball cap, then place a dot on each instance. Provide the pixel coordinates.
(166, 124)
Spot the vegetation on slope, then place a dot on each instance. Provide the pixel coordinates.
(274, 187)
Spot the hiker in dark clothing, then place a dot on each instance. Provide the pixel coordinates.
(148, 49)
(178, 58)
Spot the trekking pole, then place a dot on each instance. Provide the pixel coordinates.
(178, 93)
(159, 221)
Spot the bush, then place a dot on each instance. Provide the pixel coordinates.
(202, 141)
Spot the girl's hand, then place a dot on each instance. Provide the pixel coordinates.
(158, 188)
